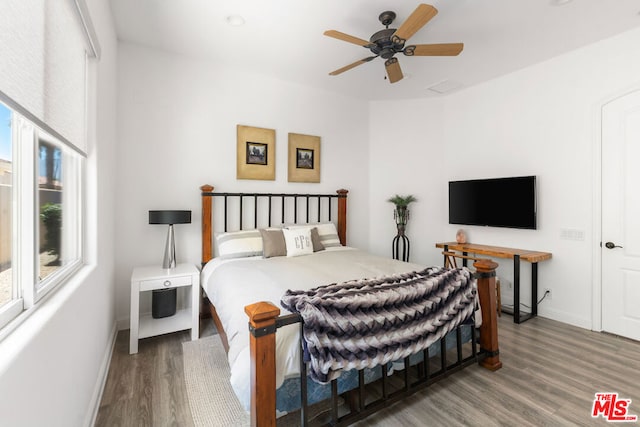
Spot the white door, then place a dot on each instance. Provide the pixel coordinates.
(621, 216)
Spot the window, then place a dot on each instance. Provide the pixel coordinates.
(48, 52)
(59, 208)
(41, 202)
(6, 203)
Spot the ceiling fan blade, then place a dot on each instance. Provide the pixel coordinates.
(393, 70)
(443, 49)
(346, 37)
(415, 21)
(350, 66)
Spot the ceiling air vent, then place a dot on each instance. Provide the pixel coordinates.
(445, 86)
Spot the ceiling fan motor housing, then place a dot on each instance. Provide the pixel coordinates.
(384, 44)
(389, 41)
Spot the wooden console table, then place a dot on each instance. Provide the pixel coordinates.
(509, 253)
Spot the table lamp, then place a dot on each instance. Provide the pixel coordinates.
(170, 218)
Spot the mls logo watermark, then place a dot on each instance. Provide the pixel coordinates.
(612, 408)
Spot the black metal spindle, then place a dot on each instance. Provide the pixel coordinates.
(225, 214)
(427, 365)
(255, 211)
(334, 401)
(407, 365)
(474, 348)
(241, 199)
(459, 343)
(361, 390)
(303, 380)
(282, 198)
(319, 206)
(269, 215)
(385, 391)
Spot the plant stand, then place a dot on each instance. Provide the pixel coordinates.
(401, 241)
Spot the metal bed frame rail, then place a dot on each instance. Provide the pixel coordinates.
(424, 378)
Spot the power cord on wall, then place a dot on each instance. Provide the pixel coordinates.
(547, 292)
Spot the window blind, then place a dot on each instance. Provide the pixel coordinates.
(44, 47)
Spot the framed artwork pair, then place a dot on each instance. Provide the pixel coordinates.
(256, 155)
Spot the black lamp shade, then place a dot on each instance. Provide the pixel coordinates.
(169, 217)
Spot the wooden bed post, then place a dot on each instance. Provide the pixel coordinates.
(207, 203)
(486, 274)
(262, 344)
(342, 216)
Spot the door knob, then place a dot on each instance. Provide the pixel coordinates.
(611, 245)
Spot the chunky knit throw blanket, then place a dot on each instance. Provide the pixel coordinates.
(369, 322)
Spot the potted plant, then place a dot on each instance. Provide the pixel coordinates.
(401, 212)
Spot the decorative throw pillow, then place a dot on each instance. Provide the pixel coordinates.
(239, 244)
(315, 240)
(273, 243)
(326, 230)
(298, 241)
(328, 234)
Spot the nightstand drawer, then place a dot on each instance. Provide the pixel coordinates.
(169, 282)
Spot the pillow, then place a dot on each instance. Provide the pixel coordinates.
(298, 241)
(326, 230)
(273, 243)
(239, 244)
(328, 234)
(315, 240)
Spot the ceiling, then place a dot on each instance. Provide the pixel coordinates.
(284, 38)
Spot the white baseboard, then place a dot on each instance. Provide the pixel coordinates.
(564, 317)
(94, 405)
(123, 324)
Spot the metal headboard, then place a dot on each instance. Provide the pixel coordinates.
(282, 198)
(281, 208)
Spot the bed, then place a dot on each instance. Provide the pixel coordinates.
(250, 278)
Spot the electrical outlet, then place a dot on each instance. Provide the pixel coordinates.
(547, 292)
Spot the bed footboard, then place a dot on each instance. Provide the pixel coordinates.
(263, 318)
(486, 275)
(262, 342)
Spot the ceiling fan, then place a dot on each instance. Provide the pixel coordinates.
(386, 43)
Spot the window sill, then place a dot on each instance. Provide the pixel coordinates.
(32, 320)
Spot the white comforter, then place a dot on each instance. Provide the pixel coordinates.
(235, 283)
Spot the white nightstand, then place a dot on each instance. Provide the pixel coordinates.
(145, 279)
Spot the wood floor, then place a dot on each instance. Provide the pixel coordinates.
(148, 388)
(551, 372)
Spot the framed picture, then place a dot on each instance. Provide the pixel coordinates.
(304, 158)
(257, 153)
(255, 157)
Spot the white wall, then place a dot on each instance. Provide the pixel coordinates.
(406, 158)
(177, 130)
(542, 120)
(53, 366)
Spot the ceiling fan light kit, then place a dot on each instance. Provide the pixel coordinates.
(388, 42)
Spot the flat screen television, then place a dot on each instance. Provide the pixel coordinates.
(497, 202)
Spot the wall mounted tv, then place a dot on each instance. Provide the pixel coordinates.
(498, 202)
